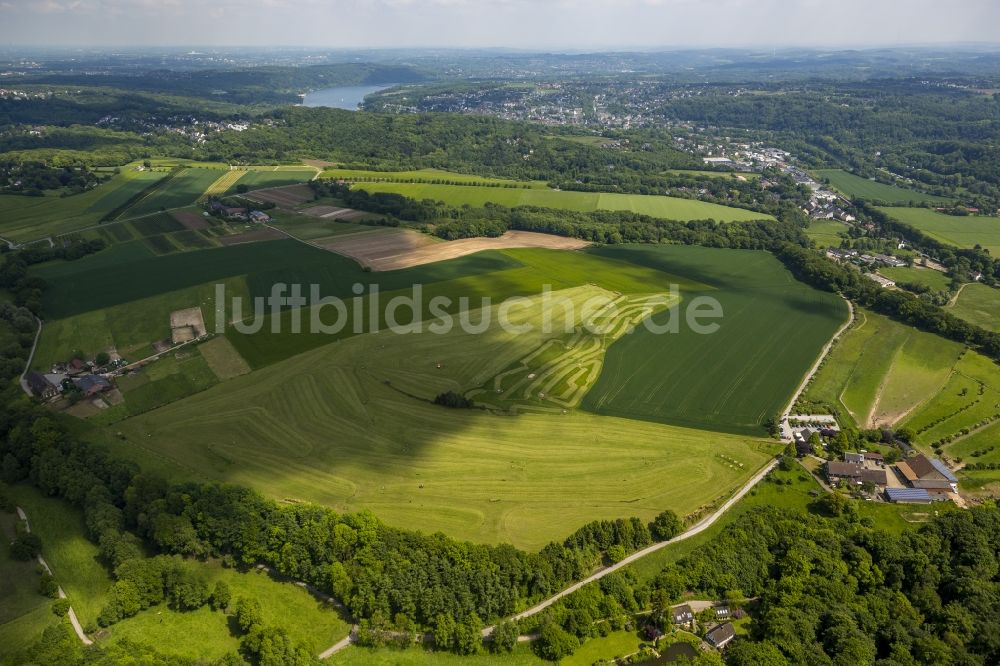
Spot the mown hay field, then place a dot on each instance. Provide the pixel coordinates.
(655, 206)
(349, 425)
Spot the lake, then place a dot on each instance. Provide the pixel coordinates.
(343, 97)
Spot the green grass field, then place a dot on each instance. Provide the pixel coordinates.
(655, 206)
(205, 634)
(606, 648)
(881, 370)
(311, 228)
(131, 328)
(349, 425)
(857, 187)
(971, 395)
(936, 280)
(125, 273)
(980, 305)
(182, 190)
(260, 178)
(771, 332)
(73, 559)
(27, 218)
(24, 613)
(960, 231)
(826, 233)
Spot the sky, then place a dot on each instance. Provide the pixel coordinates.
(526, 24)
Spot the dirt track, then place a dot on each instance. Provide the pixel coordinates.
(401, 248)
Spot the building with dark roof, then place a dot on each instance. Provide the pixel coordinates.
(39, 385)
(908, 495)
(927, 473)
(721, 635)
(682, 614)
(92, 384)
(843, 471)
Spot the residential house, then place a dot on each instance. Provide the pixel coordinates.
(722, 612)
(875, 476)
(682, 614)
(721, 636)
(259, 216)
(857, 458)
(40, 386)
(843, 471)
(234, 212)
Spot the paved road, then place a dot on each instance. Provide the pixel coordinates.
(694, 530)
(785, 429)
(62, 595)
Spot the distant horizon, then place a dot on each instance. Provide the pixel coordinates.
(533, 25)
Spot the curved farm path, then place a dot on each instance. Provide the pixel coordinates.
(694, 530)
(785, 430)
(71, 614)
(27, 366)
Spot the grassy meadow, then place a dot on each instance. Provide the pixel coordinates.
(826, 233)
(857, 187)
(24, 613)
(979, 304)
(183, 189)
(25, 218)
(880, 371)
(655, 206)
(936, 280)
(960, 231)
(349, 425)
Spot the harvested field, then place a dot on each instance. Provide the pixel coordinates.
(402, 248)
(283, 197)
(252, 237)
(191, 220)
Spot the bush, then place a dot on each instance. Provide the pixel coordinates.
(60, 607)
(26, 547)
(666, 526)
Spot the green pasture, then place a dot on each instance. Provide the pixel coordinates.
(936, 280)
(654, 206)
(28, 218)
(130, 328)
(24, 613)
(72, 557)
(971, 395)
(205, 634)
(980, 446)
(100, 281)
(771, 331)
(881, 370)
(260, 178)
(963, 231)
(979, 304)
(826, 233)
(183, 189)
(857, 187)
(311, 228)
